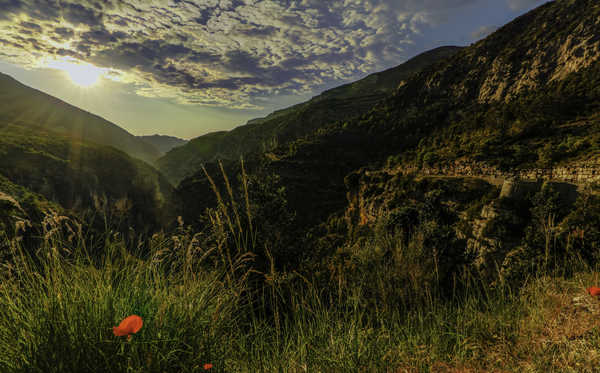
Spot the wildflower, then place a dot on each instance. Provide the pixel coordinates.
(207, 366)
(594, 291)
(130, 325)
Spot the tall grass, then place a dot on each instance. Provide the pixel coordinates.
(204, 304)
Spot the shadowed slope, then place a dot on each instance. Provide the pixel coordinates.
(26, 106)
(82, 176)
(284, 126)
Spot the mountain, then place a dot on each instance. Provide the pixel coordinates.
(32, 108)
(523, 101)
(286, 125)
(41, 170)
(163, 143)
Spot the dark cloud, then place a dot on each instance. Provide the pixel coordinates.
(101, 36)
(64, 32)
(9, 43)
(9, 8)
(76, 14)
(42, 10)
(482, 32)
(223, 52)
(522, 4)
(259, 31)
(33, 27)
(148, 55)
(120, 21)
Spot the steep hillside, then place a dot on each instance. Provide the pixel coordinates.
(163, 143)
(183, 160)
(286, 125)
(29, 107)
(526, 97)
(43, 166)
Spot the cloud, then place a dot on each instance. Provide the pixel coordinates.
(482, 32)
(522, 4)
(230, 53)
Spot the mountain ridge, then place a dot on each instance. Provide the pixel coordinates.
(288, 124)
(163, 143)
(31, 107)
(459, 109)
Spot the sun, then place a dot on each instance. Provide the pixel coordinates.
(81, 74)
(84, 75)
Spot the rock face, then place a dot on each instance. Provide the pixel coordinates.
(485, 246)
(518, 189)
(492, 248)
(492, 234)
(582, 173)
(560, 39)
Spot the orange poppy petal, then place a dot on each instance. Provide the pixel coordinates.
(594, 291)
(118, 331)
(129, 325)
(207, 366)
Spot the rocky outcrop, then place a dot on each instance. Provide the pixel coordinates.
(493, 232)
(485, 245)
(583, 173)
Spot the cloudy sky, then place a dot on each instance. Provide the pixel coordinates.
(188, 67)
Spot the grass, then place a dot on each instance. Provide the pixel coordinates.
(57, 310)
(211, 304)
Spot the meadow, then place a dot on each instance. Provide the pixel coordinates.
(220, 301)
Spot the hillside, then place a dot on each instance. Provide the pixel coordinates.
(524, 98)
(29, 107)
(163, 143)
(452, 225)
(283, 126)
(41, 171)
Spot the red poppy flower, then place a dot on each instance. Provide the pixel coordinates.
(594, 291)
(130, 325)
(207, 366)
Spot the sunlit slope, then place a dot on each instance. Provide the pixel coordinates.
(26, 106)
(83, 176)
(283, 126)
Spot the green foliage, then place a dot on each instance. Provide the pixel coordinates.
(293, 123)
(58, 306)
(29, 108)
(84, 178)
(558, 232)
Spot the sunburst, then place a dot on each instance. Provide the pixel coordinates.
(81, 74)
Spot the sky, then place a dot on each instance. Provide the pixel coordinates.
(189, 67)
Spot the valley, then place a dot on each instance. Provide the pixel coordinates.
(442, 215)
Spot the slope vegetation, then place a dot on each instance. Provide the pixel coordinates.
(163, 143)
(284, 126)
(29, 107)
(45, 168)
(526, 96)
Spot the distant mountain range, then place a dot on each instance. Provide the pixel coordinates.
(163, 143)
(283, 126)
(28, 107)
(56, 157)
